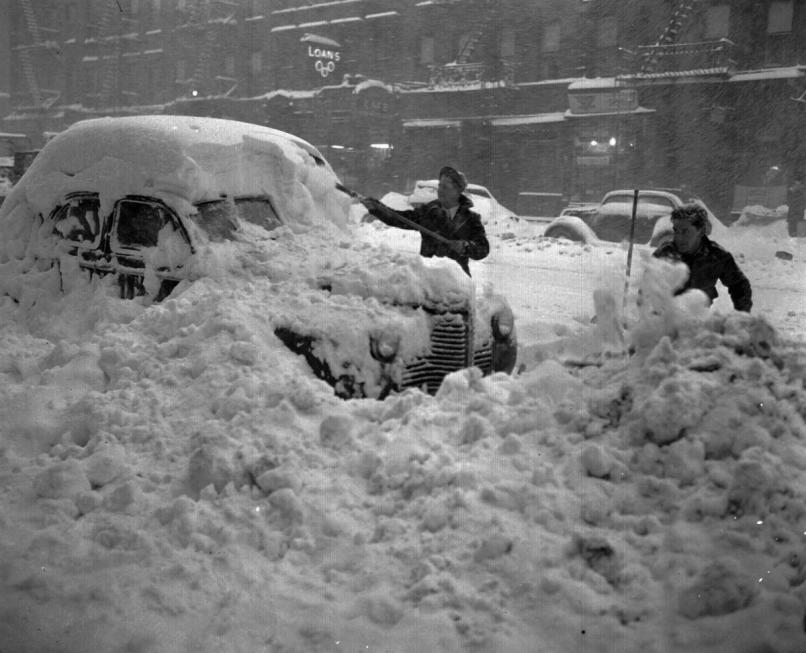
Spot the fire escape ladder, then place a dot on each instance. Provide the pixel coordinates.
(25, 53)
(480, 30)
(680, 18)
(109, 60)
(201, 19)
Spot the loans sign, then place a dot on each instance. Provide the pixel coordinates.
(325, 52)
(326, 60)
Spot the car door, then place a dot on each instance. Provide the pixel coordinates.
(145, 232)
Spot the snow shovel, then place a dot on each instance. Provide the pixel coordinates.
(397, 216)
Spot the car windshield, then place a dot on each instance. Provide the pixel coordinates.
(642, 200)
(481, 192)
(219, 218)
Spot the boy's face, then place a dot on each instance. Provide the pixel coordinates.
(687, 237)
(447, 192)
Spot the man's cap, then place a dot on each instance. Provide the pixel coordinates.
(458, 179)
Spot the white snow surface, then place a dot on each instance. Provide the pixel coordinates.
(175, 480)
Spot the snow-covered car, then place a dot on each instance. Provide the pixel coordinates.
(611, 219)
(145, 206)
(490, 209)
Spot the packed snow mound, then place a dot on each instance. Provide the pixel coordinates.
(174, 482)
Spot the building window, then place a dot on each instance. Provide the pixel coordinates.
(256, 62)
(551, 37)
(229, 65)
(607, 32)
(779, 20)
(427, 50)
(181, 71)
(508, 42)
(717, 20)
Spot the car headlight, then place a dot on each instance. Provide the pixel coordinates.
(384, 346)
(503, 322)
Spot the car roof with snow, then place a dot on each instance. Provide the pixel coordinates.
(183, 158)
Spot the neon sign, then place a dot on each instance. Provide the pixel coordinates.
(325, 59)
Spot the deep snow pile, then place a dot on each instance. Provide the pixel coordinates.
(174, 480)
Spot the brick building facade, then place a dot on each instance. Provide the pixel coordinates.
(570, 96)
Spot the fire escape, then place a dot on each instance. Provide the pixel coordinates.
(201, 35)
(481, 41)
(667, 57)
(108, 33)
(41, 98)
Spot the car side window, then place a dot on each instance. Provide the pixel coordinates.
(650, 204)
(618, 199)
(138, 224)
(654, 201)
(259, 211)
(219, 219)
(78, 220)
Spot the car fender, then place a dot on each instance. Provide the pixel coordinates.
(573, 224)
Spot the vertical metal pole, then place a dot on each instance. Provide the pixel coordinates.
(629, 250)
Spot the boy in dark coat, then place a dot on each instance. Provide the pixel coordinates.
(449, 215)
(707, 261)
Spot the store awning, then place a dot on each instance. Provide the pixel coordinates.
(430, 122)
(319, 40)
(783, 72)
(529, 119)
(631, 112)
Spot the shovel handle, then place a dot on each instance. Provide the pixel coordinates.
(403, 219)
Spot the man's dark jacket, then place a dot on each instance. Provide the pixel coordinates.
(465, 225)
(708, 264)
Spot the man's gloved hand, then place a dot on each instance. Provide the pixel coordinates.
(458, 247)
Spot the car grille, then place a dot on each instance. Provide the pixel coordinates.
(483, 357)
(450, 338)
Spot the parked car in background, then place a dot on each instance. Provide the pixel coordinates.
(143, 204)
(492, 212)
(539, 207)
(611, 219)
